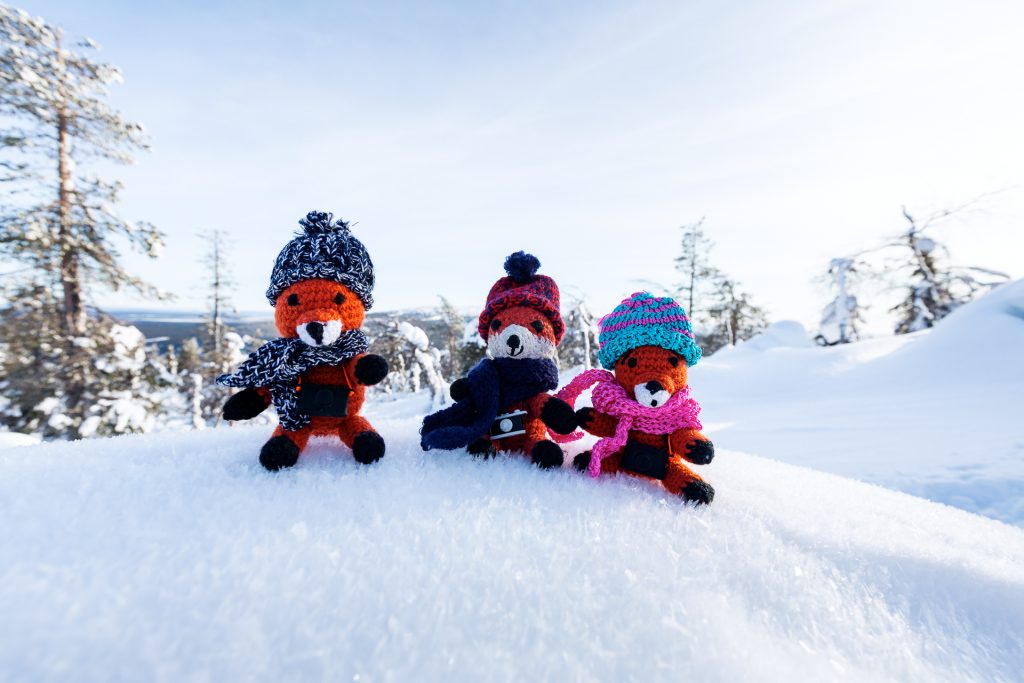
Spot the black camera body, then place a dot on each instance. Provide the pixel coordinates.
(323, 400)
(509, 424)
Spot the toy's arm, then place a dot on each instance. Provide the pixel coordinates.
(246, 404)
(692, 445)
(555, 413)
(595, 422)
(459, 389)
(369, 368)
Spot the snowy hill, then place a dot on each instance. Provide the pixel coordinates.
(177, 557)
(936, 413)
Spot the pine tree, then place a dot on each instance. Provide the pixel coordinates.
(840, 318)
(934, 288)
(462, 345)
(32, 357)
(58, 221)
(580, 344)
(221, 348)
(732, 315)
(220, 282)
(699, 277)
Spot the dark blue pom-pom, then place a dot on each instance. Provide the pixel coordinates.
(521, 266)
(317, 222)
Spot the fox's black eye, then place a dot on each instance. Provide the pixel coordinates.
(339, 298)
(293, 299)
(674, 361)
(495, 324)
(537, 325)
(631, 362)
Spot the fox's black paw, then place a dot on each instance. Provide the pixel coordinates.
(699, 492)
(371, 369)
(278, 453)
(244, 405)
(459, 389)
(700, 452)
(547, 454)
(482, 448)
(368, 447)
(559, 416)
(584, 416)
(582, 461)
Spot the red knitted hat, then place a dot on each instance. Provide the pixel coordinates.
(523, 287)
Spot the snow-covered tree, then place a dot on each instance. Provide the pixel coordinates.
(933, 287)
(462, 350)
(842, 315)
(58, 221)
(393, 346)
(426, 363)
(31, 372)
(580, 344)
(123, 389)
(219, 284)
(199, 365)
(732, 317)
(698, 277)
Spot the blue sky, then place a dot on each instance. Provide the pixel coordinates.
(456, 132)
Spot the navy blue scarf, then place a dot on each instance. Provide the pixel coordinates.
(277, 365)
(493, 386)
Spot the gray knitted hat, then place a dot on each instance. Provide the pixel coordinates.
(323, 250)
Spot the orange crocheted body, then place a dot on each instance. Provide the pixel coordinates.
(324, 301)
(636, 371)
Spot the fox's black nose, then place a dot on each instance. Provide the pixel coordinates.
(513, 341)
(654, 387)
(316, 331)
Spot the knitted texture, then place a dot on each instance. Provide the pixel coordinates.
(493, 386)
(325, 249)
(278, 364)
(523, 287)
(317, 300)
(681, 411)
(645, 320)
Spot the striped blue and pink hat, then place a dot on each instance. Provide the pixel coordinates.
(646, 320)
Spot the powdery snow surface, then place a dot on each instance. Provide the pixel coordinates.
(176, 557)
(13, 439)
(936, 413)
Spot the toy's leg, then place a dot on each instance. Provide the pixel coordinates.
(283, 448)
(482, 448)
(358, 434)
(681, 480)
(546, 454)
(693, 446)
(609, 465)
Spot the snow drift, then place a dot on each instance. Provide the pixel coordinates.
(177, 557)
(935, 413)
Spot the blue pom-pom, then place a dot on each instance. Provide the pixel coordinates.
(521, 266)
(318, 222)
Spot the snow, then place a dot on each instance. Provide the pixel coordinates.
(14, 439)
(935, 413)
(176, 556)
(170, 557)
(414, 335)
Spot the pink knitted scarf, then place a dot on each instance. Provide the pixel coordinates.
(681, 411)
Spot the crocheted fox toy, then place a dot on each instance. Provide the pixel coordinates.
(643, 410)
(317, 372)
(503, 404)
